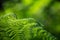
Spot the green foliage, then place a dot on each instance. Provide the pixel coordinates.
(22, 29)
(26, 13)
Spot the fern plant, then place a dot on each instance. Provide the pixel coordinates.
(12, 28)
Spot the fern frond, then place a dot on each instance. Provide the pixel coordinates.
(22, 29)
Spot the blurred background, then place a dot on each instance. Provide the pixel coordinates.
(46, 12)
